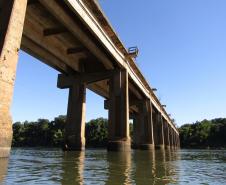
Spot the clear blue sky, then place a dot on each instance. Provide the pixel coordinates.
(182, 53)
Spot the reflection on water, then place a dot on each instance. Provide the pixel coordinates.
(119, 168)
(3, 168)
(72, 168)
(52, 166)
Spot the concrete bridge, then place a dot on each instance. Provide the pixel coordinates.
(75, 38)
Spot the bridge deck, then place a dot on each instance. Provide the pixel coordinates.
(74, 36)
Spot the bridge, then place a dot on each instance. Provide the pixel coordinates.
(75, 38)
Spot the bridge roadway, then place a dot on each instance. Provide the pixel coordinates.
(75, 38)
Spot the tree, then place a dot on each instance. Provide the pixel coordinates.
(207, 133)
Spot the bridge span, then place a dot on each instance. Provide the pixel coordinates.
(75, 38)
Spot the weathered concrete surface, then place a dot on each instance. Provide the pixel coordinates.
(143, 126)
(75, 123)
(166, 135)
(118, 129)
(159, 132)
(11, 33)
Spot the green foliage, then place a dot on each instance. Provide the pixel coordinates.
(97, 132)
(207, 133)
(51, 134)
(39, 133)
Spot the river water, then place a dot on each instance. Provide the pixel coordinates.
(52, 166)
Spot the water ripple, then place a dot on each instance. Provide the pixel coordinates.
(52, 166)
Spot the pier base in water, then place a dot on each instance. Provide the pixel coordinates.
(119, 146)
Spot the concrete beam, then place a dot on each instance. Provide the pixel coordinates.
(53, 46)
(43, 55)
(66, 81)
(76, 50)
(54, 31)
(55, 9)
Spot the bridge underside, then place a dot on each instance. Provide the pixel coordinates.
(57, 33)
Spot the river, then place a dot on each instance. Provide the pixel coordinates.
(52, 166)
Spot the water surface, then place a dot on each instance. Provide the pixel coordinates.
(52, 166)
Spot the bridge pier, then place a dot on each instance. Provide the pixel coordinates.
(12, 14)
(143, 126)
(166, 135)
(176, 144)
(75, 123)
(178, 138)
(147, 140)
(158, 131)
(177, 141)
(172, 138)
(118, 128)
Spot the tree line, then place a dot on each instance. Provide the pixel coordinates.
(204, 134)
(45, 133)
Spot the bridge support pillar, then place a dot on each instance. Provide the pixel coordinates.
(136, 131)
(12, 14)
(176, 144)
(158, 131)
(175, 138)
(172, 138)
(178, 137)
(118, 133)
(166, 135)
(75, 123)
(143, 128)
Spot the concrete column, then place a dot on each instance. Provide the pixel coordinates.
(75, 123)
(143, 129)
(147, 140)
(12, 15)
(166, 135)
(172, 138)
(178, 141)
(175, 139)
(158, 131)
(119, 139)
(155, 128)
(136, 131)
(161, 131)
(173, 134)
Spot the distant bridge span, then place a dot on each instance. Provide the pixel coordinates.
(75, 38)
